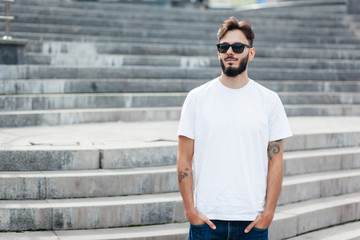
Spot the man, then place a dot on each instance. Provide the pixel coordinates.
(231, 133)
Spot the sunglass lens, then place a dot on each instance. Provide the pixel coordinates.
(223, 48)
(238, 48)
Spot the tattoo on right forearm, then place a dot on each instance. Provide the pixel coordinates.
(273, 148)
(184, 174)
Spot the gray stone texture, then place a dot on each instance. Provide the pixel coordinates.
(353, 6)
(25, 160)
(12, 52)
(139, 157)
(154, 53)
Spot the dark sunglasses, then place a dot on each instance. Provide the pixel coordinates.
(236, 47)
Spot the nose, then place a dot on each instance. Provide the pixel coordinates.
(230, 50)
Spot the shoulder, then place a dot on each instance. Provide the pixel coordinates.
(202, 89)
(270, 98)
(265, 92)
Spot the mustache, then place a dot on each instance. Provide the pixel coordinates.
(232, 58)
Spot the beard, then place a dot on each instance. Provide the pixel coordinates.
(233, 71)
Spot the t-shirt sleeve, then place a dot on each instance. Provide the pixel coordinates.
(187, 119)
(279, 127)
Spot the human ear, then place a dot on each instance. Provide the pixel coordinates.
(252, 54)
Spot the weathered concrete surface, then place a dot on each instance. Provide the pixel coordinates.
(148, 100)
(353, 6)
(43, 159)
(298, 218)
(110, 212)
(31, 86)
(105, 183)
(131, 134)
(318, 185)
(304, 162)
(175, 231)
(12, 51)
(76, 116)
(348, 231)
(53, 72)
(85, 213)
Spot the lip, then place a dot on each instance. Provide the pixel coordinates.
(230, 59)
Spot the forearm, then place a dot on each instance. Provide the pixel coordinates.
(184, 173)
(274, 181)
(185, 182)
(275, 175)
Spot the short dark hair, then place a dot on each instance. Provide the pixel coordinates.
(233, 24)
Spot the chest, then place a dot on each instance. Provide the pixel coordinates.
(242, 114)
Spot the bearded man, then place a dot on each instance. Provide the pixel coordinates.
(230, 147)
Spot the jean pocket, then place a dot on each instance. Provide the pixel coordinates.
(260, 229)
(198, 225)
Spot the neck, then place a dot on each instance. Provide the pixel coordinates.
(236, 82)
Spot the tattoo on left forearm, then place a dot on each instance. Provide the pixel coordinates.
(273, 148)
(183, 174)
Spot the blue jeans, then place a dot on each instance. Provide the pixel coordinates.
(226, 230)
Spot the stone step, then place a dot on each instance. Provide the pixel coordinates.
(85, 213)
(172, 231)
(348, 231)
(83, 101)
(298, 218)
(26, 102)
(331, 6)
(88, 183)
(153, 180)
(48, 72)
(112, 46)
(55, 155)
(67, 214)
(319, 185)
(111, 60)
(312, 161)
(32, 86)
(323, 55)
(334, 7)
(118, 25)
(108, 43)
(322, 110)
(175, 14)
(306, 53)
(138, 144)
(139, 33)
(175, 231)
(261, 25)
(78, 116)
(30, 31)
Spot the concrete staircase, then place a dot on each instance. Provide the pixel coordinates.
(87, 62)
(95, 179)
(97, 63)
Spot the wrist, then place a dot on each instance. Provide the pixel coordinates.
(190, 213)
(269, 214)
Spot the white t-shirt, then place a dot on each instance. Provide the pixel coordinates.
(231, 129)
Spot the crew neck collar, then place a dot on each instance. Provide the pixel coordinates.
(234, 89)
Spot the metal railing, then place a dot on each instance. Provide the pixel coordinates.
(7, 19)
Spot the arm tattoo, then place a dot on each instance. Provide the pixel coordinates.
(273, 148)
(183, 174)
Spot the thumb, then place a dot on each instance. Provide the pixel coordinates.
(249, 227)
